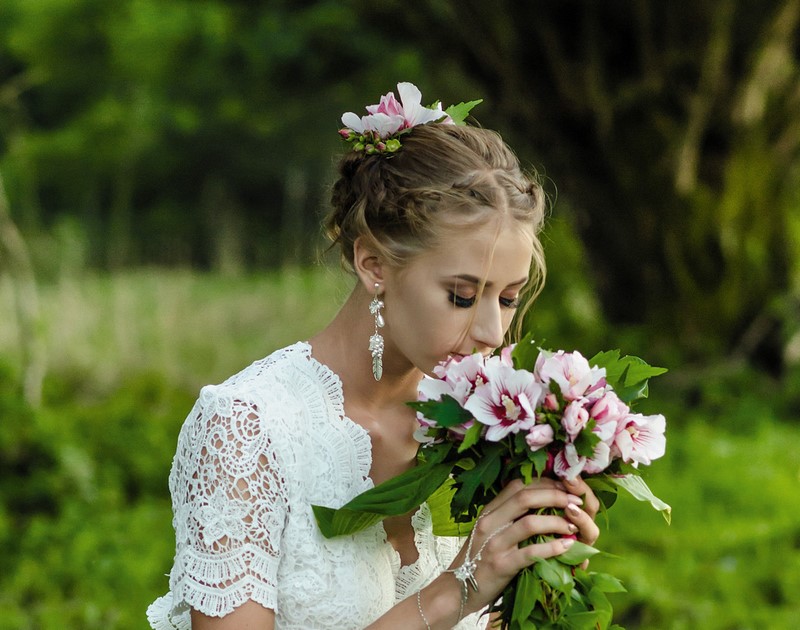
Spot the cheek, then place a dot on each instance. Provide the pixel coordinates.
(433, 324)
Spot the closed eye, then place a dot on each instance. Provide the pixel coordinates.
(462, 302)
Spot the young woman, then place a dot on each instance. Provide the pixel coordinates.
(439, 225)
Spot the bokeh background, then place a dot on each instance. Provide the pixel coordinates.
(165, 164)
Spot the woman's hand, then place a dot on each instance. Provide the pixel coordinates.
(511, 519)
(505, 522)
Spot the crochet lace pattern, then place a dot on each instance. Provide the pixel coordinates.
(253, 455)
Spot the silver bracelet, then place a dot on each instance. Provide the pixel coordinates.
(466, 572)
(419, 607)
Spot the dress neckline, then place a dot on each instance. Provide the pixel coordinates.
(420, 519)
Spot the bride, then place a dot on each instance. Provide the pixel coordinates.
(440, 226)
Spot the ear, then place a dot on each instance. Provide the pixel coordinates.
(368, 265)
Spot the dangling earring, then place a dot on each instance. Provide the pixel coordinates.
(376, 341)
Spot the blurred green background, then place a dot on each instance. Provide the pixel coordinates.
(165, 165)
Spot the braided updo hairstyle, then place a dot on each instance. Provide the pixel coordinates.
(443, 178)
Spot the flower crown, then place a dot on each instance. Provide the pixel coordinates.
(380, 130)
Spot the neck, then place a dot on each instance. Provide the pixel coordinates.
(344, 347)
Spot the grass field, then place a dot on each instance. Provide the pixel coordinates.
(85, 533)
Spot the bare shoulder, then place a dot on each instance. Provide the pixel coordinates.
(248, 616)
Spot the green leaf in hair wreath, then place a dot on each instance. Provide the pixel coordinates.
(458, 113)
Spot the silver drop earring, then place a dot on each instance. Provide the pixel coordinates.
(376, 341)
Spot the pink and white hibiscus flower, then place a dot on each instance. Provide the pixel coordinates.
(463, 374)
(575, 418)
(434, 389)
(506, 403)
(609, 412)
(568, 464)
(389, 117)
(413, 110)
(640, 439)
(572, 373)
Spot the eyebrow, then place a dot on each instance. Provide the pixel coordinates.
(477, 281)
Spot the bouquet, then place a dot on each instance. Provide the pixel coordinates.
(524, 413)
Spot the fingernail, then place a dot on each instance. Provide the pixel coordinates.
(574, 500)
(573, 509)
(573, 528)
(567, 543)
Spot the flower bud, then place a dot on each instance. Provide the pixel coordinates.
(551, 402)
(392, 145)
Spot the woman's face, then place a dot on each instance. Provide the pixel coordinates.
(432, 307)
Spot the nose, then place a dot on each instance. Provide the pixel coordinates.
(489, 326)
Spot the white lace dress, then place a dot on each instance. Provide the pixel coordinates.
(253, 455)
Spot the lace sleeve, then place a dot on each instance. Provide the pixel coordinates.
(229, 504)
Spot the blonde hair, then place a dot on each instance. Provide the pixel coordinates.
(443, 178)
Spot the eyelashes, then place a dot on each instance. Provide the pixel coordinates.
(462, 302)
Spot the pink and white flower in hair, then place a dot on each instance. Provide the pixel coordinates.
(389, 116)
(640, 439)
(413, 110)
(572, 373)
(507, 402)
(388, 105)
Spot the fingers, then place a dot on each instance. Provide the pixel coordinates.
(516, 485)
(588, 532)
(579, 487)
(511, 504)
(583, 518)
(536, 525)
(530, 553)
(504, 555)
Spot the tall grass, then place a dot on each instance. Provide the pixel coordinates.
(190, 328)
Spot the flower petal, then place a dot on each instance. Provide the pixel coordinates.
(352, 121)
